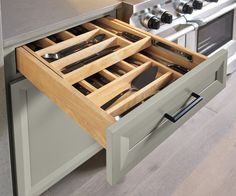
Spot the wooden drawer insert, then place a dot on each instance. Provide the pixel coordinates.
(76, 94)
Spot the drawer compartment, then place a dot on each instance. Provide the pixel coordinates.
(139, 121)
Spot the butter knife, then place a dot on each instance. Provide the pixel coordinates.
(89, 59)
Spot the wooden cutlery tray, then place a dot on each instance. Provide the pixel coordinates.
(82, 92)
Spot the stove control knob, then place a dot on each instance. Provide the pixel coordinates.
(166, 18)
(197, 5)
(154, 23)
(163, 15)
(184, 8)
(187, 9)
(150, 21)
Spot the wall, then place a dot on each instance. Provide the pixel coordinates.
(5, 168)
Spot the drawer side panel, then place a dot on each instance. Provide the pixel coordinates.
(92, 119)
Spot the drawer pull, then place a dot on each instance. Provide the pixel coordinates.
(186, 109)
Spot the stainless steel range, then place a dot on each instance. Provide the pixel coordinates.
(215, 30)
(203, 26)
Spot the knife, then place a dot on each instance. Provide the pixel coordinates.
(134, 61)
(81, 89)
(78, 30)
(116, 70)
(178, 68)
(137, 83)
(129, 36)
(125, 34)
(173, 66)
(184, 55)
(89, 59)
(97, 80)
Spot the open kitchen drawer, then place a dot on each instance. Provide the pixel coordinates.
(137, 123)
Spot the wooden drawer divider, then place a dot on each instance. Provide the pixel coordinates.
(63, 62)
(139, 96)
(45, 42)
(87, 86)
(109, 91)
(197, 57)
(106, 61)
(67, 43)
(65, 35)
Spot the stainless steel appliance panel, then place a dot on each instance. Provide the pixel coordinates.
(215, 34)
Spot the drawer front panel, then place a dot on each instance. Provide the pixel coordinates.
(142, 130)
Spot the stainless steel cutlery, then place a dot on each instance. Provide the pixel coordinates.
(137, 83)
(72, 49)
(89, 59)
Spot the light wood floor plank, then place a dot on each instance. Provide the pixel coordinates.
(167, 179)
(224, 97)
(216, 174)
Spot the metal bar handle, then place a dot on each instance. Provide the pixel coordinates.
(180, 33)
(204, 21)
(186, 109)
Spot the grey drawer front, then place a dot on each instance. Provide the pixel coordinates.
(133, 137)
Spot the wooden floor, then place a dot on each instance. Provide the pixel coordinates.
(199, 159)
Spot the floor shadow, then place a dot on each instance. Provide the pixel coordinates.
(94, 163)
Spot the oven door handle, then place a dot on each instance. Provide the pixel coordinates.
(180, 33)
(203, 22)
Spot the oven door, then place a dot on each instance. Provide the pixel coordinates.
(215, 33)
(231, 48)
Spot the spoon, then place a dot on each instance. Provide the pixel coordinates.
(74, 48)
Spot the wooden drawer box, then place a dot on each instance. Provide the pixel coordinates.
(132, 127)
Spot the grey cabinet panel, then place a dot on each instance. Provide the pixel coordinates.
(48, 143)
(1, 41)
(5, 165)
(142, 130)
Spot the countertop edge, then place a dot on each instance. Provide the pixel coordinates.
(53, 28)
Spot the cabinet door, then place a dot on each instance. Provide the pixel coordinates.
(48, 144)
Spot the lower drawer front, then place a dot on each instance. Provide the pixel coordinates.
(137, 133)
(135, 136)
(41, 131)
